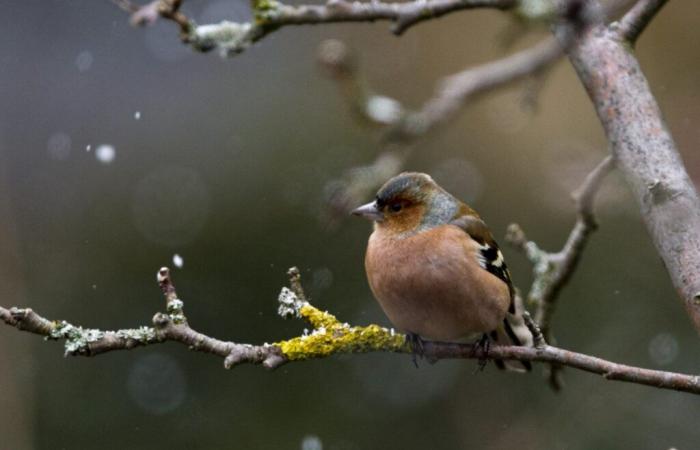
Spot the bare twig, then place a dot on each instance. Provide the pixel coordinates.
(458, 89)
(329, 337)
(340, 64)
(148, 13)
(126, 5)
(637, 18)
(402, 128)
(553, 270)
(451, 95)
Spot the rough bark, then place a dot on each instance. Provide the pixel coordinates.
(645, 153)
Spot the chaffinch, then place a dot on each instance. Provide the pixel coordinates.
(435, 268)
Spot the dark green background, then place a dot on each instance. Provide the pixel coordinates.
(227, 167)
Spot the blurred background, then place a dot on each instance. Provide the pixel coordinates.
(122, 151)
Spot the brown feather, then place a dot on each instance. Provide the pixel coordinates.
(430, 283)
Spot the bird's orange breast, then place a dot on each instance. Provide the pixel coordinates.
(430, 283)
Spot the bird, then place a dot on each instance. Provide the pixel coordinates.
(436, 270)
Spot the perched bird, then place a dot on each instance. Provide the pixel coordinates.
(435, 268)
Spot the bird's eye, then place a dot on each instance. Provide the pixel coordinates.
(395, 207)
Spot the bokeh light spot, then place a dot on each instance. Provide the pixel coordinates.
(156, 383)
(105, 153)
(311, 442)
(663, 349)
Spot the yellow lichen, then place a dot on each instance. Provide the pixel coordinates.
(330, 336)
(318, 318)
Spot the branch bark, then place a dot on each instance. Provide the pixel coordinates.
(231, 38)
(329, 337)
(638, 17)
(644, 149)
(553, 270)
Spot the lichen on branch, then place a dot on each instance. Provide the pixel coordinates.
(329, 336)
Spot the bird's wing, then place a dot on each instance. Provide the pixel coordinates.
(491, 259)
(490, 256)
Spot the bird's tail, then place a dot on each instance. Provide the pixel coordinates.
(513, 332)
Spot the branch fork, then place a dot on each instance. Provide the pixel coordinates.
(328, 337)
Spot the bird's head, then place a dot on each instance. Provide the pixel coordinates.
(407, 202)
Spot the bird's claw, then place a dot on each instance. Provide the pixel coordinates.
(485, 344)
(416, 343)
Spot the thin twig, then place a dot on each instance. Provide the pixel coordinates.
(638, 18)
(403, 129)
(329, 337)
(456, 90)
(126, 5)
(553, 270)
(270, 15)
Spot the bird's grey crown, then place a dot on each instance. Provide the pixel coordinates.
(404, 183)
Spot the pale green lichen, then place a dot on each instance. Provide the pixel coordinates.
(331, 336)
(228, 37)
(290, 304)
(77, 338)
(143, 335)
(175, 311)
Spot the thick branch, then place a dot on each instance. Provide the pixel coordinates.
(637, 19)
(645, 153)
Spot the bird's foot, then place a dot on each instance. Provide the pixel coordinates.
(484, 342)
(416, 343)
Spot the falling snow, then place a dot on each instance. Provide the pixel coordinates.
(178, 261)
(105, 153)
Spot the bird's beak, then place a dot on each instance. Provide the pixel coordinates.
(369, 211)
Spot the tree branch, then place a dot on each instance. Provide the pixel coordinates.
(329, 337)
(457, 90)
(644, 152)
(553, 270)
(403, 128)
(637, 19)
(231, 38)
